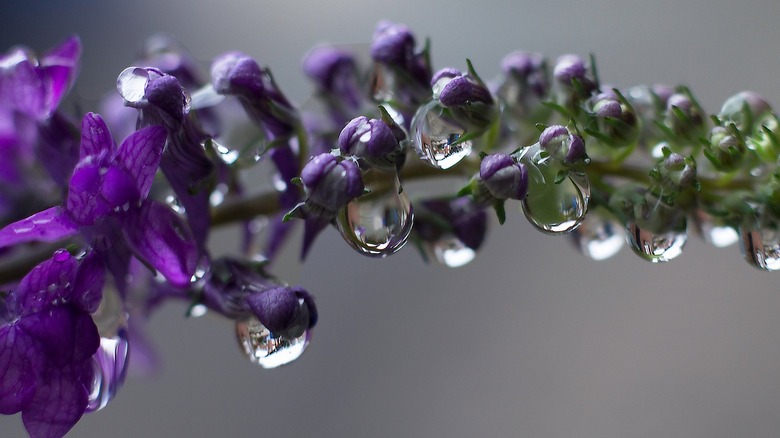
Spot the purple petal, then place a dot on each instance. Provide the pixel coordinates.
(58, 149)
(60, 66)
(64, 334)
(49, 225)
(160, 237)
(85, 204)
(88, 285)
(119, 188)
(19, 362)
(95, 136)
(59, 402)
(140, 153)
(46, 285)
(22, 89)
(278, 234)
(275, 308)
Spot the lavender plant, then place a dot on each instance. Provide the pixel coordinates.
(95, 236)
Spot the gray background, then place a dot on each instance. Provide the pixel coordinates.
(530, 340)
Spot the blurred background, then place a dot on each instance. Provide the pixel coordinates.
(532, 339)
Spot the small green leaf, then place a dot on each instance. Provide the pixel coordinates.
(500, 211)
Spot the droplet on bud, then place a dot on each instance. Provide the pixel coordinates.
(761, 247)
(110, 360)
(599, 237)
(554, 208)
(262, 348)
(657, 247)
(378, 224)
(131, 84)
(434, 135)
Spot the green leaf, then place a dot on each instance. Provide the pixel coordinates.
(498, 206)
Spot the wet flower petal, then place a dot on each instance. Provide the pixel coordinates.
(59, 401)
(95, 136)
(162, 239)
(46, 285)
(140, 154)
(19, 362)
(49, 225)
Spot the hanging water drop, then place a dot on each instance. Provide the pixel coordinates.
(657, 247)
(110, 360)
(262, 348)
(554, 208)
(435, 137)
(761, 247)
(714, 230)
(131, 84)
(378, 224)
(599, 237)
(451, 252)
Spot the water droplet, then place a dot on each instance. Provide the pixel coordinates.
(599, 237)
(266, 350)
(227, 155)
(378, 224)
(657, 247)
(554, 208)
(217, 196)
(433, 135)
(382, 83)
(761, 247)
(451, 252)
(175, 204)
(110, 360)
(714, 230)
(131, 84)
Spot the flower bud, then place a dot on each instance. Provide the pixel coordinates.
(334, 72)
(284, 311)
(463, 90)
(234, 73)
(392, 44)
(529, 69)
(677, 171)
(725, 149)
(563, 145)
(569, 68)
(330, 183)
(368, 138)
(503, 177)
(442, 78)
(744, 109)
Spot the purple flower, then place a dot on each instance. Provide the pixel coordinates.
(461, 217)
(107, 193)
(406, 74)
(529, 69)
(335, 74)
(47, 344)
(284, 311)
(164, 102)
(367, 138)
(330, 183)
(462, 90)
(560, 143)
(503, 177)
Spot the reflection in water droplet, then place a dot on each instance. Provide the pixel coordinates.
(378, 224)
(451, 252)
(131, 84)
(433, 135)
(761, 247)
(110, 360)
(217, 196)
(554, 208)
(599, 237)
(657, 247)
(264, 349)
(714, 230)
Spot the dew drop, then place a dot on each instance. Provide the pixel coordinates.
(554, 208)
(449, 251)
(761, 247)
(131, 84)
(262, 348)
(378, 224)
(109, 362)
(599, 237)
(433, 135)
(657, 247)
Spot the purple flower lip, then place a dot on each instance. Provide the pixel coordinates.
(552, 133)
(285, 311)
(608, 108)
(558, 141)
(234, 73)
(445, 74)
